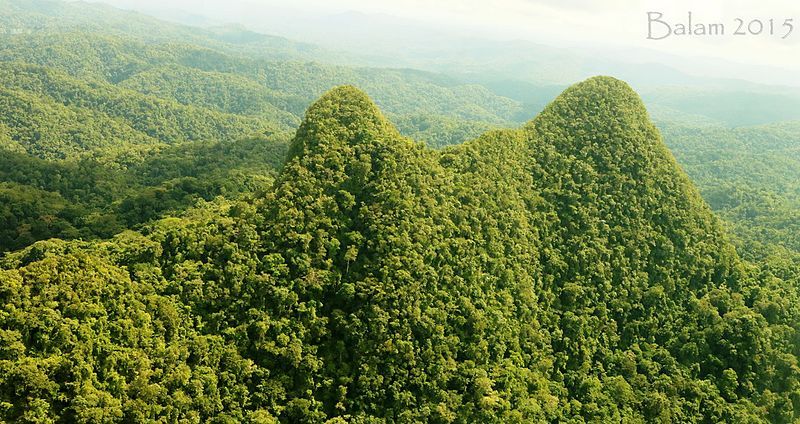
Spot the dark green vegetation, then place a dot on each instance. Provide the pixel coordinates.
(564, 271)
(89, 199)
(225, 253)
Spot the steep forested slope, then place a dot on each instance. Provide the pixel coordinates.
(565, 271)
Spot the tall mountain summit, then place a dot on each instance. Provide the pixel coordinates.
(566, 271)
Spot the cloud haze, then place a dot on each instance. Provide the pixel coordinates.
(620, 23)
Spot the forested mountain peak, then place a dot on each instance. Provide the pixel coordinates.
(590, 116)
(577, 244)
(562, 272)
(604, 165)
(343, 116)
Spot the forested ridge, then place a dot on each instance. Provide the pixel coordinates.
(565, 271)
(113, 96)
(194, 227)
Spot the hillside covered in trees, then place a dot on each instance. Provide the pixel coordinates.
(120, 123)
(564, 271)
(196, 227)
(104, 128)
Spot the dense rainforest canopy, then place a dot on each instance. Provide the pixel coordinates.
(194, 227)
(565, 271)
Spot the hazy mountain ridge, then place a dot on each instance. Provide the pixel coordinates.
(69, 97)
(151, 68)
